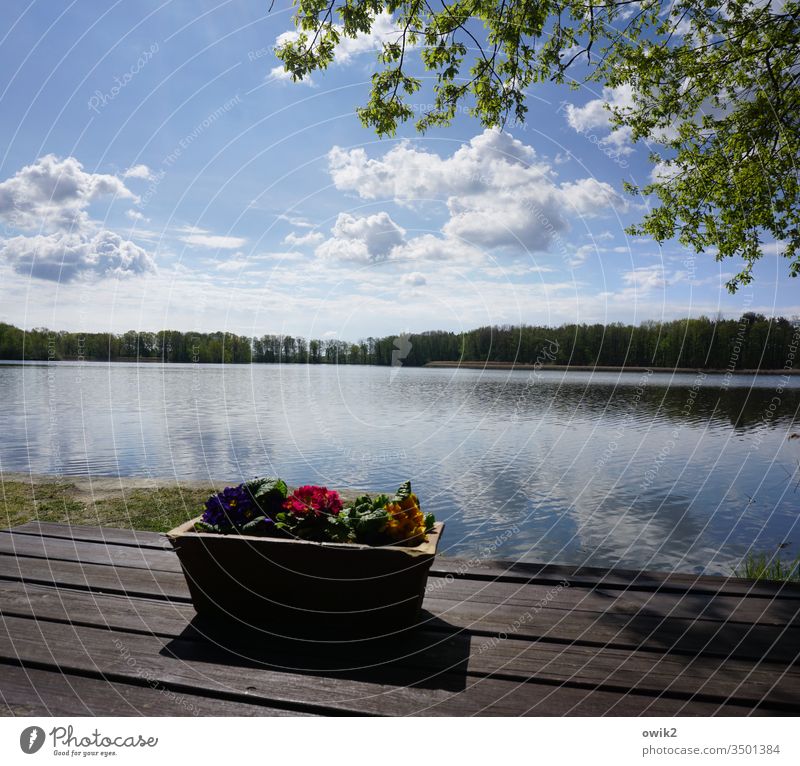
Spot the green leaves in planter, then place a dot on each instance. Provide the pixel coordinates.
(262, 525)
(202, 526)
(268, 494)
(403, 492)
(368, 527)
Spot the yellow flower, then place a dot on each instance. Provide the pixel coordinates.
(406, 521)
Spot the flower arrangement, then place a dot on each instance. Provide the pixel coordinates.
(265, 507)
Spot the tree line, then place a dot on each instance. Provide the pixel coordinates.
(751, 342)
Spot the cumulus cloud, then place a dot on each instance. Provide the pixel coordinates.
(365, 239)
(53, 194)
(299, 240)
(377, 238)
(63, 256)
(51, 197)
(429, 247)
(138, 171)
(498, 192)
(383, 29)
(596, 114)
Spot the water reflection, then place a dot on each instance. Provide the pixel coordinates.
(650, 471)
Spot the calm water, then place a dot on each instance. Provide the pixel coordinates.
(660, 471)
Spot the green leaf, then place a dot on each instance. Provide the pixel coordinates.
(268, 494)
(259, 525)
(403, 491)
(369, 527)
(201, 526)
(339, 529)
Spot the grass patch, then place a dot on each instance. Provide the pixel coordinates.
(158, 509)
(764, 566)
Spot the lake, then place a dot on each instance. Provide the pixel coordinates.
(659, 471)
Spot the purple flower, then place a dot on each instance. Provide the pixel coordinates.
(233, 507)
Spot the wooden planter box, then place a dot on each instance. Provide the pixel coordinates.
(298, 587)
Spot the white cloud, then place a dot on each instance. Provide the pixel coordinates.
(299, 240)
(596, 114)
(53, 194)
(588, 196)
(64, 256)
(366, 239)
(235, 263)
(279, 74)
(138, 171)
(203, 238)
(414, 279)
(497, 191)
(645, 279)
(663, 171)
(51, 197)
(301, 223)
(135, 215)
(383, 29)
(377, 238)
(429, 247)
(582, 255)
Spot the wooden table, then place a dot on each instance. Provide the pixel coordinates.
(97, 621)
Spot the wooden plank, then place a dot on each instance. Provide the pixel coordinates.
(436, 650)
(114, 612)
(203, 668)
(138, 538)
(734, 640)
(624, 579)
(755, 610)
(505, 571)
(738, 640)
(33, 692)
(95, 577)
(720, 678)
(89, 553)
(172, 586)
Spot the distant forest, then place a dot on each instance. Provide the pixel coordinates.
(751, 342)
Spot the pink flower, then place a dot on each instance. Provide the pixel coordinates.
(313, 501)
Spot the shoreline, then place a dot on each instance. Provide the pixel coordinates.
(512, 366)
(509, 366)
(96, 486)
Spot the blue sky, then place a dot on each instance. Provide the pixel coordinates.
(158, 171)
